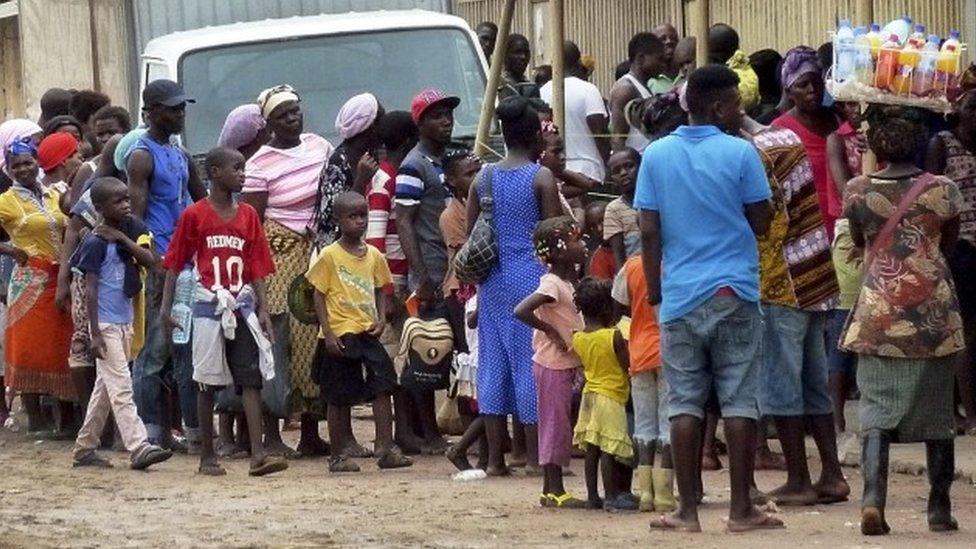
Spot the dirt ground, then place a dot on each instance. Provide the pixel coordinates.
(46, 503)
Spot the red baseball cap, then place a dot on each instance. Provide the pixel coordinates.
(427, 99)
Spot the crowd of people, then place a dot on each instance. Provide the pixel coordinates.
(745, 270)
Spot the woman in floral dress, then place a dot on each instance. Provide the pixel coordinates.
(905, 327)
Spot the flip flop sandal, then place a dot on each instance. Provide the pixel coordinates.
(393, 460)
(358, 451)
(267, 466)
(664, 522)
(766, 522)
(566, 501)
(211, 470)
(546, 500)
(827, 499)
(342, 465)
(92, 459)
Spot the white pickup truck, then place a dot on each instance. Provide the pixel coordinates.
(327, 58)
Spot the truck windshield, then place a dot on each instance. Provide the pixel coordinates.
(328, 70)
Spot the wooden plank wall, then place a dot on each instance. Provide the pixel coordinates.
(11, 91)
(112, 51)
(55, 48)
(602, 27)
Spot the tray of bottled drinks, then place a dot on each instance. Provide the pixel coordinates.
(897, 65)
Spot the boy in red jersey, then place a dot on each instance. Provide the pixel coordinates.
(224, 241)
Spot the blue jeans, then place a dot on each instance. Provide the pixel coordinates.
(794, 373)
(838, 360)
(158, 358)
(716, 344)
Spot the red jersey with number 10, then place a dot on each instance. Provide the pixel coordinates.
(227, 254)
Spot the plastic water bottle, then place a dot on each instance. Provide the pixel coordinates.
(844, 48)
(182, 306)
(863, 63)
(900, 28)
(947, 66)
(924, 81)
(887, 63)
(876, 39)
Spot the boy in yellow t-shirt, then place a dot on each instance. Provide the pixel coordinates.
(351, 365)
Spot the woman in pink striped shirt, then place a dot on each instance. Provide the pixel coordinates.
(281, 183)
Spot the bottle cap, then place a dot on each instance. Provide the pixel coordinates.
(875, 27)
(860, 30)
(920, 28)
(935, 38)
(954, 34)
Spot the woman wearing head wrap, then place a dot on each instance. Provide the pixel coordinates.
(58, 156)
(38, 333)
(245, 130)
(803, 82)
(16, 130)
(281, 182)
(356, 125)
(952, 153)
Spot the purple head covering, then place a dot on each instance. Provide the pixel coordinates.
(799, 61)
(357, 115)
(241, 127)
(14, 130)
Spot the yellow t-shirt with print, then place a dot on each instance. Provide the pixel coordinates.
(349, 284)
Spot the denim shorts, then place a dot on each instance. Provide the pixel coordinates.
(794, 372)
(649, 392)
(714, 345)
(839, 361)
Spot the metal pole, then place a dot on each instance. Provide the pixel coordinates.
(556, 41)
(494, 77)
(864, 11)
(699, 29)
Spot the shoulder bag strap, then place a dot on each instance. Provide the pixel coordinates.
(884, 235)
(487, 198)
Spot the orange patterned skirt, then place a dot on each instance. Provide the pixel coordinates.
(38, 337)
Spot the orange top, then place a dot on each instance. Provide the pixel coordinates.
(630, 289)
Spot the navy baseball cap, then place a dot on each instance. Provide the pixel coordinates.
(166, 93)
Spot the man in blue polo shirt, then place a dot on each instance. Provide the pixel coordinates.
(703, 197)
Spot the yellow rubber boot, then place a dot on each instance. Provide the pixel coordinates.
(663, 483)
(645, 488)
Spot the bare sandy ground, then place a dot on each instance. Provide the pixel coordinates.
(46, 503)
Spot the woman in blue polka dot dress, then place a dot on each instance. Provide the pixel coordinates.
(524, 193)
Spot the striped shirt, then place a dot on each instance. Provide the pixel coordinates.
(381, 230)
(291, 179)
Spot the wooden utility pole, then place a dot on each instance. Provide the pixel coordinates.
(698, 16)
(494, 78)
(556, 41)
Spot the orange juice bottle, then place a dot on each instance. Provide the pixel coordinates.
(887, 63)
(908, 59)
(947, 66)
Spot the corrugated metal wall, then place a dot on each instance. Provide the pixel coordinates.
(11, 86)
(602, 27)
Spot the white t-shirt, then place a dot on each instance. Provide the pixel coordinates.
(582, 99)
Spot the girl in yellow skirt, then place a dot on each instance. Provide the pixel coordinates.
(601, 430)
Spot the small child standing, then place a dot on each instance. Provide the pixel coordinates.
(620, 219)
(107, 257)
(652, 428)
(351, 364)
(602, 426)
(232, 332)
(550, 310)
(601, 263)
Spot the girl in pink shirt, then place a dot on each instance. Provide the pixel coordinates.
(552, 312)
